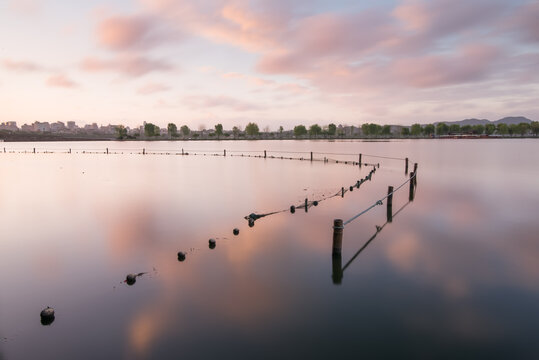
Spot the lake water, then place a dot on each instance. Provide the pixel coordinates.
(454, 275)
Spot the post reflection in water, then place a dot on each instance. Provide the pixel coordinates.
(338, 269)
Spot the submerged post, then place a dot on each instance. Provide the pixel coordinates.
(406, 166)
(311, 156)
(342, 192)
(390, 204)
(337, 236)
(224, 152)
(264, 154)
(359, 160)
(34, 150)
(306, 205)
(411, 195)
(182, 151)
(337, 273)
(415, 172)
(143, 151)
(70, 150)
(107, 151)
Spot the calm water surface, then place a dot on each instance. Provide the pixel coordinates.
(455, 275)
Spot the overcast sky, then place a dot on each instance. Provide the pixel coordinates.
(275, 62)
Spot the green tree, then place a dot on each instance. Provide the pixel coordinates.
(428, 129)
(489, 129)
(281, 131)
(534, 126)
(172, 130)
(454, 128)
(236, 131)
(442, 129)
(315, 130)
(386, 130)
(478, 129)
(252, 129)
(219, 130)
(300, 130)
(332, 129)
(416, 130)
(185, 130)
(513, 128)
(121, 132)
(405, 131)
(151, 130)
(502, 129)
(365, 129)
(523, 128)
(374, 129)
(466, 129)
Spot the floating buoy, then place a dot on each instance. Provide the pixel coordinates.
(212, 243)
(131, 279)
(236, 231)
(181, 256)
(47, 316)
(315, 203)
(351, 188)
(292, 209)
(251, 222)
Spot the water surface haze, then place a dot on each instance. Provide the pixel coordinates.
(454, 275)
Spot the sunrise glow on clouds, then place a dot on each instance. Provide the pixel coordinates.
(275, 62)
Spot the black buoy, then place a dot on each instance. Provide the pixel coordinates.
(253, 216)
(251, 222)
(212, 243)
(181, 256)
(351, 188)
(292, 209)
(47, 316)
(131, 279)
(236, 231)
(315, 203)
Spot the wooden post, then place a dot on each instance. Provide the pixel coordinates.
(390, 204)
(306, 205)
(34, 150)
(70, 150)
(143, 151)
(359, 160)
(406, 166)
(182, 151)
(4, 150)
(311, 156)
(337, 273)
(342, 192)
(415, 172)
(224, 152)
(337, 236)
(411, 196)
(264, 154)
(107, 151)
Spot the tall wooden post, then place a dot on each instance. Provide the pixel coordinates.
(337, 236)
(411, 195)
(359, 160)
(390, 204)
(264, 154)
(107, 151)
(306, 205)
(415, 172)
(224, 152)
(406, 166)
(311, 156)
(337, 273)
(34, 150)
(182, 152)
(143, 151)
(342, 192)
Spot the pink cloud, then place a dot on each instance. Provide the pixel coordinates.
(60, 80)
(204, 101)
(132, 32)
(152, 88)
(132, 66)
(21, 66)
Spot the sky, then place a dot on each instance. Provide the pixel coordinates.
(273, 62)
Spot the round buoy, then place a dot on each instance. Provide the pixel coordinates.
(252, 216)
(315, 203)
(292, 209)
(351, 188)
(212, 243)
(251, 222)
(236, 231)
(47, 316)
(181, 256)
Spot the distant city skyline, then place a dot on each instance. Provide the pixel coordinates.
(277, 63)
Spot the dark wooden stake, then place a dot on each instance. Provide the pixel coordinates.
(342, 192)
(107, 151)
(415, 172)
(264, 154)
(390, 204)
(359, 160)
(411, 196)
(143, 151)
(34, 150)
(311, 156)
(306, 205)
(337, 274)
(406, 166)
(224, 152)
(337, 236)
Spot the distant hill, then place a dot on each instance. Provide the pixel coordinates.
(506, 120)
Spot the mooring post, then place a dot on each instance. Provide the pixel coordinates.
(342, 192)
(311, 156)
(337, 236)
(306, 205)
(4, 150)
(359, 160)
(415, 172)
(390, 204)
(406, 166)
(70, 150)
(411, 196)
(34, 150)
(337, 273)
(182, 151)
(264, 154)
(107, 151)
(224, 152)
(143, 151)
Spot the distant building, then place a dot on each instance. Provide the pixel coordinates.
(58, 127)
(41, 126)
(71, 126)
(10, 125)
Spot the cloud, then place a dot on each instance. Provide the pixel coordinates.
(139, 32)
(60, 80)
(21, 66)
(204, 101)
(131, 66)
(152, 88)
